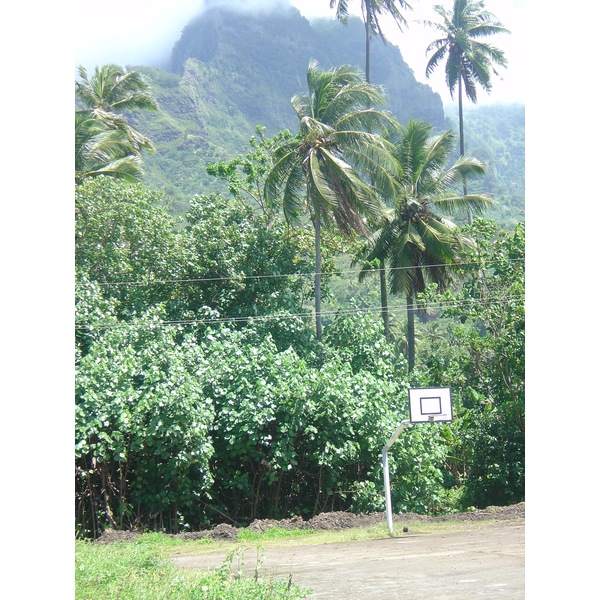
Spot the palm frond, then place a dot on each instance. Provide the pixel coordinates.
(353, 196)
(341, 9)
(476, 203)
(100, 150)
(286, 174)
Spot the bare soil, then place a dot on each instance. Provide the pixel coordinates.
(328, 521)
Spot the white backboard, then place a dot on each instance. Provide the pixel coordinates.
(430, 405)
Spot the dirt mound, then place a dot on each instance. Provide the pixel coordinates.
(326, 521)
(261, 525)
(110, 536)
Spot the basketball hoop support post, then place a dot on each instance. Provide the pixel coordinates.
(426, 405)
(386, 474)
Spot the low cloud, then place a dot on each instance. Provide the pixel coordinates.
(122, 33)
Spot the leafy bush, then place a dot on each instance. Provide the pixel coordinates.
(142, 430)
(127, 242)
(483, 359)
(496, 474)
(295, 438)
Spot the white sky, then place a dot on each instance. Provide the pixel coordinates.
(133, 32)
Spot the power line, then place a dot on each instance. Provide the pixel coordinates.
(393, 310)
(311, 274)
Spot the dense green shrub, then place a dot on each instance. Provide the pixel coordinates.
(142, 443)
(182, 426)
(496, 474)
(482, 358)
(126, 242)
(292, 437)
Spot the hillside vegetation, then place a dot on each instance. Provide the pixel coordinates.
(231, 72)
(495, 134)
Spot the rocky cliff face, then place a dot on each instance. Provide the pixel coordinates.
(262, 60)
(232, 70)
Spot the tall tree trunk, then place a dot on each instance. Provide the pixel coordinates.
(461, 133)
(461, 137)
(410, 331)
(368, 43)
(317, 226)
(385, 315)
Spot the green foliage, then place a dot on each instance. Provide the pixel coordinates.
(470, 61)
(245, 175)
(292, 438)
(483, 360)
(178, 426)
(227, 259)
(496, 442)
(495, 134)
(93, 313)
(359, 342)
(417, 463)
(142, 429)
(337, 165)
(242, 265)
(100, 150)
(105, 142)
(126, 242)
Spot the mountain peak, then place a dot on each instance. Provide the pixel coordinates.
(254, 49)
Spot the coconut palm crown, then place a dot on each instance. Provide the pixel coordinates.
(337, 166)
(418, 240)
(103, 151)
(372, 11)
(470, 61)
(112, 90)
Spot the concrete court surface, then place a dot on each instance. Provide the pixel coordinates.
(485, 561)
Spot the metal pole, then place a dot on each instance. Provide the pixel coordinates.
(386, 475)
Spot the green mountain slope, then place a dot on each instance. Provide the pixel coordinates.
(495, 134)
(231, 71)
(263, 59)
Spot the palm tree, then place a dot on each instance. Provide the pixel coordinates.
(372, 10)
(419, 244)
(470, 61)
(109, 92)
(321, 170)
(103, 151)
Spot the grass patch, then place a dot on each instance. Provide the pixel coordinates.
(274, 533)
(141, 570)
(276, 536)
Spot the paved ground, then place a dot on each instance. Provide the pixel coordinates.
(482, 561)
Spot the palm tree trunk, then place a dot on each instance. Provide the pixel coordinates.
(461, 136)
(368, 43)
(385, 315)
(461, 132)
(410, 332)
(317, 226)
